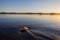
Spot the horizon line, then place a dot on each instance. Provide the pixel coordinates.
(28, 12)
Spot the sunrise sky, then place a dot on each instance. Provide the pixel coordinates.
(45, 6)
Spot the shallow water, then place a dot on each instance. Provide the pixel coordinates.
(45, 27)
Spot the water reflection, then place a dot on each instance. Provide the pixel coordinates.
(38, 24)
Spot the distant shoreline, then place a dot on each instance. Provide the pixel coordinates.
(32, 13)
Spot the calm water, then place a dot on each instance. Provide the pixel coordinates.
(38, 24)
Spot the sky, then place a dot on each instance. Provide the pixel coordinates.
(45, 6)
